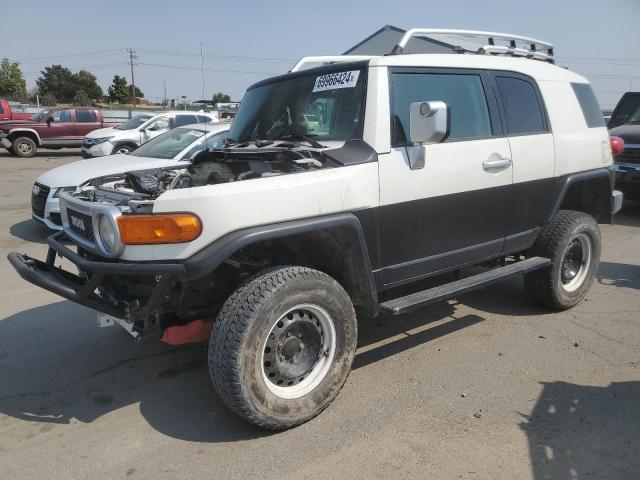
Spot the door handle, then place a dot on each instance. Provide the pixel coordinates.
(498, 164)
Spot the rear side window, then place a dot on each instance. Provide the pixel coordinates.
(203, 119)
(463, 94)
(1, 109)
(185, 120)
(522, 106)
(85, 116)
(589, 104)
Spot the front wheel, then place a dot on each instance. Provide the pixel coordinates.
(572, 242)
(282, 346)
(24, 147)
(122, 149)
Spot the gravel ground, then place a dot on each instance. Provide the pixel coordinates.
(488, 386)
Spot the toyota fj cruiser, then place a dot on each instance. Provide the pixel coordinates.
(336, 184)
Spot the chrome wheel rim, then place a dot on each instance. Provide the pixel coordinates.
(576, 261)
(298, 351)
(24, 147)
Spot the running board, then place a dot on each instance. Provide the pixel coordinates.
(448, 290)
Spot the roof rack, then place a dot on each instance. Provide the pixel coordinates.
(329, 59)
(535, 49)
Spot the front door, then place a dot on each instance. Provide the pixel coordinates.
(452, 211)
(60, 129)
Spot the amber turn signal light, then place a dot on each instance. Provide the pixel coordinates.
(167, 228)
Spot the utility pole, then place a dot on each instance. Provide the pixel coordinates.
(132, 57)
(202, 69)
(164, 85)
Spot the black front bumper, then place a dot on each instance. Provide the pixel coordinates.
(628, 179)
(82, 288)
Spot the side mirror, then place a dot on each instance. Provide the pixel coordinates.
(50, 119)
(429, 122)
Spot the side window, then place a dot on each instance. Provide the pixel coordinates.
(1, 108)
(62, 116)
(522, 106)
(214, 141)
(589, 104)
(203, 119)
(185, 120)
(463, 94)
(86, 116)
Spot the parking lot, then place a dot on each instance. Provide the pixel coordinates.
(488, 386)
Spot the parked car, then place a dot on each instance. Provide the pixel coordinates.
(625, 123)
(172, 148)
(55, 128)
(413, 166)
(129, 135)
(6, 113)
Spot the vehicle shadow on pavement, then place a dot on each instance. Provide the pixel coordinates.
(57, 366)
(44, 153)
(619, 274)
(580, 431)
(31, 231)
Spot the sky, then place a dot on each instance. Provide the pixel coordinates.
(246, 41)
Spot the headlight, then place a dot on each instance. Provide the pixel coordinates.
(58, 191)
(107, 234)
(95, 141)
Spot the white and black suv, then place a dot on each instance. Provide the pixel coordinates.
(337, 184)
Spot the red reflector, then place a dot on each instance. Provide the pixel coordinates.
(192, 332)
(617, 145)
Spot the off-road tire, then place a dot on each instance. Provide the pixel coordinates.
(242, 326)
(546, 286)
(29, 149)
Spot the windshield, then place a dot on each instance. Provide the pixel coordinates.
(322, 106)
(40, 115)
(169, 144)
(628, 112)
(134, 122)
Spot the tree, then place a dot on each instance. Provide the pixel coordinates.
(81, 99)
(48, 100)
(221, 98)
(12, 84)
(85, 80)
(119, 90)
(56, 81)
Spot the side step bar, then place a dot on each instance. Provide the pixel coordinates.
(448, 290)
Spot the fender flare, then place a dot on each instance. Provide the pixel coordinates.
(30, 130)
(563, 186)
(213, 255)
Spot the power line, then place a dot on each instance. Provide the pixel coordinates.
(101, 53)
(217, 70)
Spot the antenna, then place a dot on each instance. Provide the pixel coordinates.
(132, 56)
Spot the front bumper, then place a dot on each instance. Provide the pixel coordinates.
(82, 288)
(4, 141)
(99, 150)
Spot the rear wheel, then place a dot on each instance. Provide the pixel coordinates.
(282, 346)
(572, 242)
(24, 147)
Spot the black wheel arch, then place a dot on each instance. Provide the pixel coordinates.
(588, 192)
(333, 244)
(15, 134)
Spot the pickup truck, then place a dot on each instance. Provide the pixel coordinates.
(625, 124)
(6, 113)
(55, 128)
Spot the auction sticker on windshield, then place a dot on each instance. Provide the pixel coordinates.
(332, 81)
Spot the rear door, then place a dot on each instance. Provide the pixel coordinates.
(86, 121)
(532, 152)
(453, 210)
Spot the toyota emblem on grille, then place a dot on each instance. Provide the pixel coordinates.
(35, 190)
(77, 222)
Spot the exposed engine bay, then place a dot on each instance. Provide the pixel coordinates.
(217, 166)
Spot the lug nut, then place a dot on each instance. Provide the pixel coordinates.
(301, 347)
(282, 358)
(299, 335)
